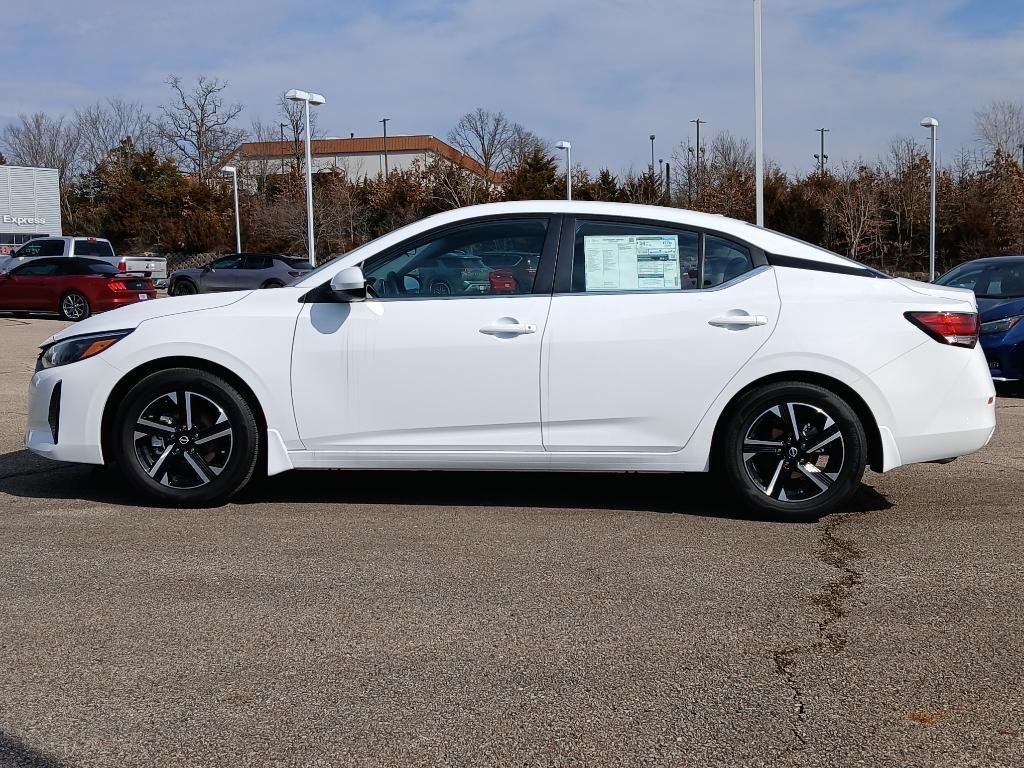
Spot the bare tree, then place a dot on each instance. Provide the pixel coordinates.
(198, 126)
(105, 125)
(293, 116)
(484, 136)
(854, 205)
(1000, 126)
(46, 142)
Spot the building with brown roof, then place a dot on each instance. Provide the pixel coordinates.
(360, 156)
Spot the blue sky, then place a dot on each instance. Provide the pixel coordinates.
(604, 74)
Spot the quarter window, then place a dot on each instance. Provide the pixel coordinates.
(485, 259)
(724, 260)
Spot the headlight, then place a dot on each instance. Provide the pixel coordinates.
(1000, 326)
(76, 348)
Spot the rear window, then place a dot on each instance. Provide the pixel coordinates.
(93, 248)
(298, 263)
(91, 267)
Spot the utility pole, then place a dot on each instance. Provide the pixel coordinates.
(668, 183)
(384, 122)
(1021, 148)
(822, 158)
(652, 154)
(698, 122)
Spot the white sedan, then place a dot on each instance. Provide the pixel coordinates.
(549, 336)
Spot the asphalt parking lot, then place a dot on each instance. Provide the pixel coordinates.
(385, 619)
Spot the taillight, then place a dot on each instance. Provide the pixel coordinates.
(294, 274)
(958, 329)
(122, 266)
(117, 285)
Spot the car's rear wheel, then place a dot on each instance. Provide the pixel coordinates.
(74, 306)
(184, 288)
(792, 450)
(186, 437)
(440, 288)
(272, 284)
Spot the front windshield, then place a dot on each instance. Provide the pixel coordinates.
(988, 281)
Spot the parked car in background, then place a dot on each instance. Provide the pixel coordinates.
(155, 267)
(785, 378)
(520, 267)
(998, 283)
(454, 274)
(74, 287)
(239, 271)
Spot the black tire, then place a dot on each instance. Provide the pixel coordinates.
(173, 464)
(74, 306)
(183, 288)
(770, 470)
(440, 288)
(272, 284)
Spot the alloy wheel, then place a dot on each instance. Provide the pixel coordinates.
(794, 452)
(183, 439)
(74, 306)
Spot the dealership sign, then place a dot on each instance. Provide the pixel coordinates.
(20, 220)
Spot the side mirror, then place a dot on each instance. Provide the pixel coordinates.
(207, 268)
(349, 284)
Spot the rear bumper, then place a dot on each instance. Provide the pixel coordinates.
(115, 301)
(942, 404)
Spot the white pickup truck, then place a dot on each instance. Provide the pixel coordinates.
(89, 247)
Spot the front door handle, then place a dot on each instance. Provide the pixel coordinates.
(738, 321)
(508, 326)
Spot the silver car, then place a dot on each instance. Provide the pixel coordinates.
(238, 272)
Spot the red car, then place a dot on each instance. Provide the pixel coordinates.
(74, 287)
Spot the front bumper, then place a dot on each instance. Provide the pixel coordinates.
(1005, 357)
(77, 410)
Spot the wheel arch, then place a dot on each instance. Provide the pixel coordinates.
(140, 372)
(876, 451)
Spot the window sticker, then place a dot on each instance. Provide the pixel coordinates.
(631, 262)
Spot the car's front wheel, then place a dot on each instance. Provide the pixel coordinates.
(184, 288)
(186, 437)
(792, 450)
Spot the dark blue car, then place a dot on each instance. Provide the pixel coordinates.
(998, 282)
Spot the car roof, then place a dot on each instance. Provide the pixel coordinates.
(766, 239)
(1011, 258)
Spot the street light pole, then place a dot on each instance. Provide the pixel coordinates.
(933, 126)
(316, 99)
(234, 188)
(758, 117)
(652, 154)
(282, 126)
(567, 146)
(384, 121)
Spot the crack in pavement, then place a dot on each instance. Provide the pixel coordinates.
(841, 554)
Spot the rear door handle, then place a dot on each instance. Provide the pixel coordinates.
(509, 329)
(738, 321)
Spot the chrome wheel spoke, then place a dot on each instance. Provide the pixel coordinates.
(821, 479)
(824, 439)
(202, 470)
(774, 487)
(157, 471)
(153, 428)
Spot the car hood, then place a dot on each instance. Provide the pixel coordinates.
(133, 315)
(997, 309)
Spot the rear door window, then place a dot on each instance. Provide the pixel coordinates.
(724, 260)
(35, 248)
(614, 256)
(256, 262)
